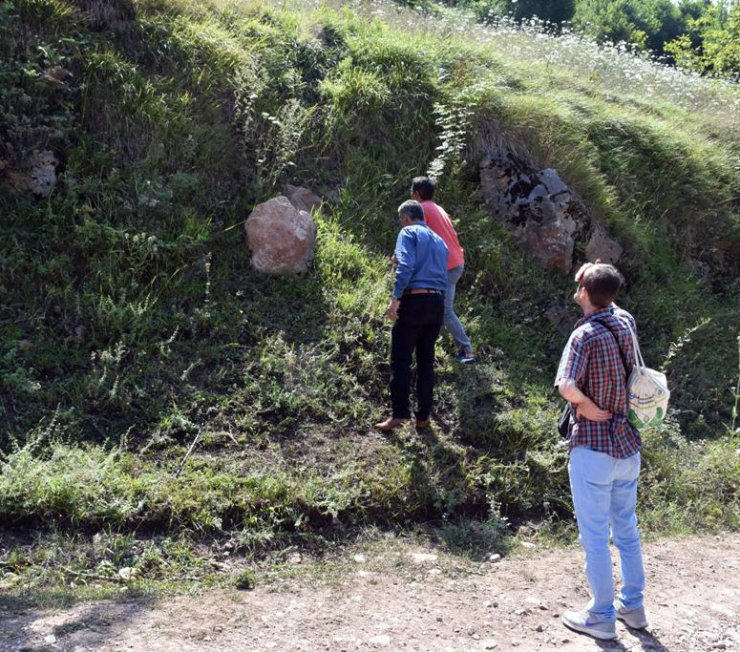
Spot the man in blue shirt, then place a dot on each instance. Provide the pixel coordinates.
(417, 310)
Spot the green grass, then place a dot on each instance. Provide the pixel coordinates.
(132, 326)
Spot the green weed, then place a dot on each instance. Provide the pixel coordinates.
(152, 382)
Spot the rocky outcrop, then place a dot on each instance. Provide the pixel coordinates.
(561, 317)
(601, 247)
(547, 217)
(280, 237)
(38, 175)
(303, 199)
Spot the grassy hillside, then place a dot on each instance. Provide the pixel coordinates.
(132, 326)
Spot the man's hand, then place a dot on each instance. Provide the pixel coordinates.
(585, 407)
(583, 268)
(589, 410)
(392, 312)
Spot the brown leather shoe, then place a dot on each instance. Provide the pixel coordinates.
(423, 423)
(391, 423)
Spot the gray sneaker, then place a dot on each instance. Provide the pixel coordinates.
(584, 622)
(634, 618)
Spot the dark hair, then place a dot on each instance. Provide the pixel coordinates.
(602, 283)
(424, 186)
(413, 209)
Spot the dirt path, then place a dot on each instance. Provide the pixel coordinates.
(399, 596)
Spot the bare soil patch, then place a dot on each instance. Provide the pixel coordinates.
(397, 595)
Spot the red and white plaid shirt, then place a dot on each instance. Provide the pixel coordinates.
(592, 359)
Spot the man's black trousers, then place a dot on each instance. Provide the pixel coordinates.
(420, 318)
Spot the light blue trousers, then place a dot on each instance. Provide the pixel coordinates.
(604, 490)
(451, 322)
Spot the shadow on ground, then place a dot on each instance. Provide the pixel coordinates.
(32, 629)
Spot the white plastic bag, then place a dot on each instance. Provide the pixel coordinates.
(647, 392)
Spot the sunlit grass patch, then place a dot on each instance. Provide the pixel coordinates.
(154, 384)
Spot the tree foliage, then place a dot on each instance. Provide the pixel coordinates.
(711, 43)
(647, 24)
(697, 35)
(554, 11)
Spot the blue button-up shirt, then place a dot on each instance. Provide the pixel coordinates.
(422, 260)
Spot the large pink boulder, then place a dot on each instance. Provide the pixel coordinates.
(281, 238)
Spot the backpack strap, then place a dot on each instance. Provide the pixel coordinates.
(639, 361)
(619, 348)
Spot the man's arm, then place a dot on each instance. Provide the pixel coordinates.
(572, 369)
(585, 407)
(405, 256)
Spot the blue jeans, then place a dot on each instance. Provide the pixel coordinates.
(452, 323)
(604, 490)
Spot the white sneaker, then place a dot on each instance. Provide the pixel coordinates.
(634, 618)
(465, 356)
(584, 622)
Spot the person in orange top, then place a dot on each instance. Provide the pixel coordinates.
(422, 190)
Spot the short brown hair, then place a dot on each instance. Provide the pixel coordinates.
(602, 283)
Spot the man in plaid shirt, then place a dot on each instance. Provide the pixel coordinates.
(604, 452)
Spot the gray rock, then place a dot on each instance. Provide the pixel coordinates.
(303, 199)
(43, 174)
(550, 242)
(538, 192)
(495, 183)
(601, 247)
(552, 181)
(382, 640)
(38, 174)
